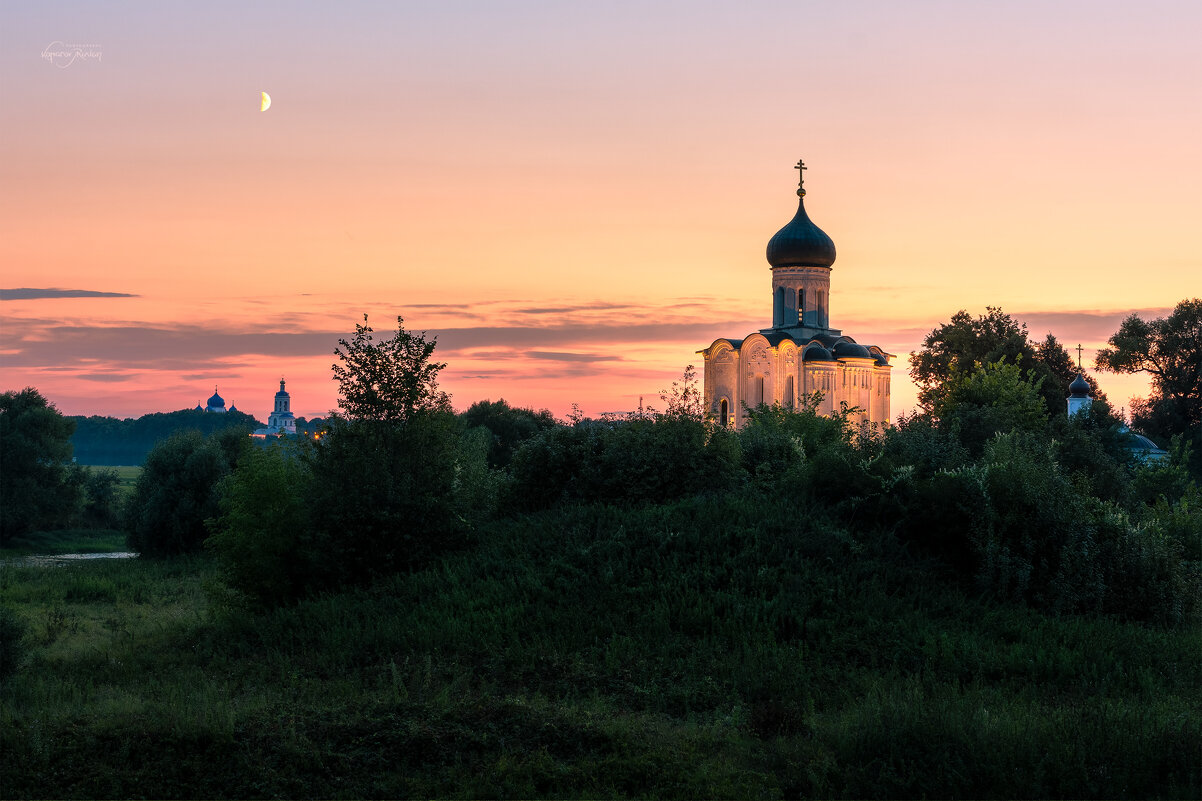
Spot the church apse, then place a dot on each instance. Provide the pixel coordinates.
(800, 354)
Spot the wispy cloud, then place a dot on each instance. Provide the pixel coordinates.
(105, 377)
(1083, 323)
(571, 357)
(570, 309)
(50, 344)
(27, 293)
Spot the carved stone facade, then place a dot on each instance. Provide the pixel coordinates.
(800, 354)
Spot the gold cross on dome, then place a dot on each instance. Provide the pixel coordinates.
(800, 166)
(1078, 357)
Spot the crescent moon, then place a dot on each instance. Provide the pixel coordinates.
(264, 101)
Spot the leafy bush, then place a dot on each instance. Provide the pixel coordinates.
(994, 399)
(101, 507)
(387, 496)
(507, 427)
(918, 443)
(176, 491)
(637, 460)
(263, 538)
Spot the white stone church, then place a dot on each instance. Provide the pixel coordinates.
(800, 354)
(281, 421)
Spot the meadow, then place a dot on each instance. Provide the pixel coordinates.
(729, 646)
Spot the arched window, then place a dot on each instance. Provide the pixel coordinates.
(724, 413)
(801, 306)
(789, 392)
(759, 390)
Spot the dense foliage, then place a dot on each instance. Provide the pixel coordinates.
(508, 427)
(961, 345)
(1169, 350)
(176, 492)
(390, 380)
(110, 440)
(39, 486)
(394, 480)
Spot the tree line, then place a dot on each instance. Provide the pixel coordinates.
(989, 476)
(1016, 499)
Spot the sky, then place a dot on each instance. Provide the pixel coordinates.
(573, 198)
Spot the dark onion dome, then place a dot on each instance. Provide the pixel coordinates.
(801, 243)
(1079, 388)
(216, 402)
(817, 353)
(850, 350)
(1142, 443)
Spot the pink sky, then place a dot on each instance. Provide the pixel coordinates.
(574, 199)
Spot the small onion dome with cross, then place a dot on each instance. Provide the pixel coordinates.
(215, 403)
(801, 243)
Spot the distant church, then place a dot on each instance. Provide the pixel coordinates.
(216, 404)
(800, 354)
(281, 421)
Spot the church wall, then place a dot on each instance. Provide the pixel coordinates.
(722, 380)
(757, 378)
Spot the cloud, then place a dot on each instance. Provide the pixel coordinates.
(570, 309)
(26, 293)
(121, 346)
(571, 357)
(105, 377)
(1084, 324)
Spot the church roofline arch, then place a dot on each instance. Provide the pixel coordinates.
(718, 344)
(752, 339)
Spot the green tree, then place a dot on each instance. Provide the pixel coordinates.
(684, 398)
(994, 399)
(507, 427)
(39, 488)
(959, 346)
(101, 507)
(389, 380)
(1169, 349)
(176, 491)
(263, 538)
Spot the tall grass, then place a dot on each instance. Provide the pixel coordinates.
(730, 647)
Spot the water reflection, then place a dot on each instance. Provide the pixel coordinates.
(50, 560)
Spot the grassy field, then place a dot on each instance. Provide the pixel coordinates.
(594, 652)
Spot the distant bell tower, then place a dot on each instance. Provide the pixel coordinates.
(281, 420)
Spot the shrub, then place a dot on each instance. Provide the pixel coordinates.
(507, 427)
(991, 400)
(1038, 526)
(263, 538)
(637, 460)
(101, 508)
(388, 496)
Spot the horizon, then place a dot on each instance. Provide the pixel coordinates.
(573, 200)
